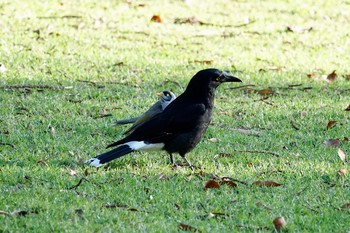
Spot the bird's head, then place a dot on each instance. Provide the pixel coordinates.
(167, 96)
(209, 78)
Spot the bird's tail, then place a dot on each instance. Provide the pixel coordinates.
(118, 152)
(126, 121)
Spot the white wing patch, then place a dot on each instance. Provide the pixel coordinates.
(94, 162)
(141, 145)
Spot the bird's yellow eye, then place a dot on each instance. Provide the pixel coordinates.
(218, 79)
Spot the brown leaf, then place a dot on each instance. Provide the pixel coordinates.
(345, 206)
(186, 227)
(265, 92)
(342, 172)
(212, 184)
(332, 76)
(330, 124)
(347, 108)
(312, 76)
(347, 77)
(342, 155)
(279, 223)
(266, 183)
(86, 172)
(229, 183)
(332, 142)
(156, 19)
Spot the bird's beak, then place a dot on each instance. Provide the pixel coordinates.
(230, 78)
(159, 94)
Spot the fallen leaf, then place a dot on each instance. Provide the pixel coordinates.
(342, 155)
(266, 183)
(332, 76)
(229, 183)
(347, 77)
(186, 227)
(347, 108)
(342, 172)
(72, 172)
(332, 142)
(86, 172)
(156, 19)
(345, 206)
(330, 124)
(279, 223)
(212, 184)
(265, 92)
(213, 140)
(312, 76)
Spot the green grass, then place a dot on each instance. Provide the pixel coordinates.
(127, 59)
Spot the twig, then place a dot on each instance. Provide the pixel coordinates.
(79, 183)
(257, 151)
(293, 125)
(102, 116)
(233, 179)
(264, 101)
(7, 144)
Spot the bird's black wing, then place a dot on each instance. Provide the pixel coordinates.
(167, 125)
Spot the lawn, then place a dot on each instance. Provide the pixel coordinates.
(69, 69)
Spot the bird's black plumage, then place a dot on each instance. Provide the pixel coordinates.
(180, 126)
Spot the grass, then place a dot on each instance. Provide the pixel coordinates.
(113, 60)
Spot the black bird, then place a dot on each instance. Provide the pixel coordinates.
(179, 127)
(166, 97)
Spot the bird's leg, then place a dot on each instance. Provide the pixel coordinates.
(171, 159)
(188, 163)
